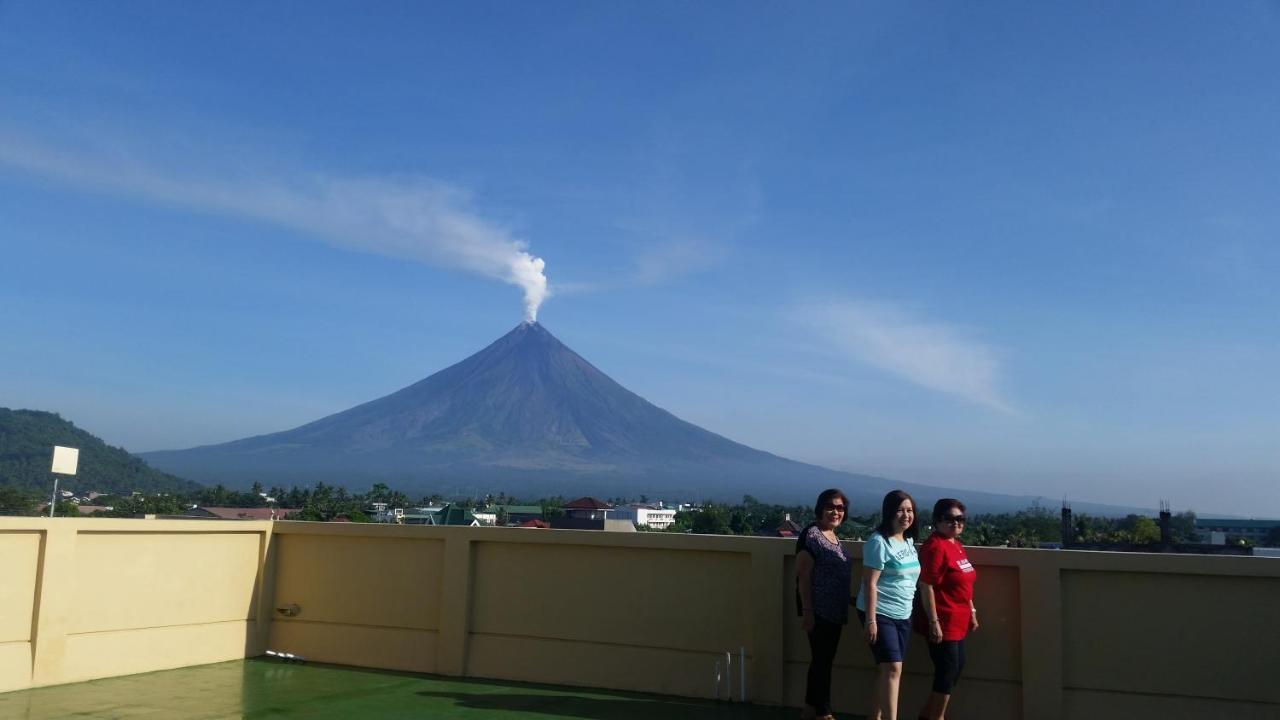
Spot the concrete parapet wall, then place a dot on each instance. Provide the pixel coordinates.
(92, 598)
(1064, 634)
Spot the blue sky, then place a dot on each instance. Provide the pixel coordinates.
(1003, 247)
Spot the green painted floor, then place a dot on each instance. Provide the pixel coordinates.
(263, 689)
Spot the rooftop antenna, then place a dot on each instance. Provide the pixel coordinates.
(65, 460)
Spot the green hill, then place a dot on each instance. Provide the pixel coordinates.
(27, 438)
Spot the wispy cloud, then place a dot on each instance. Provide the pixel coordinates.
(660, 262)
(663, 261)
(417, 219)
(929, 354)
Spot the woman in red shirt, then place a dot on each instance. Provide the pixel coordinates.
(946, 594)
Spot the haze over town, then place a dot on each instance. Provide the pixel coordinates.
(1018, 250)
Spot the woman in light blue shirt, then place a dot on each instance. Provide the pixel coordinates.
(890, 570)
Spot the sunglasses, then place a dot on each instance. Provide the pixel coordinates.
(953, 519)
(832, 506)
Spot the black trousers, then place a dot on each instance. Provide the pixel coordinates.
(823, 642)
(948, 661)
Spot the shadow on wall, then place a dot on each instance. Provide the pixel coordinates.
(262, 601)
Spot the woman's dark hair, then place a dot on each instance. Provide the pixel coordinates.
(889, 509)
(943, 508)
(824, 497)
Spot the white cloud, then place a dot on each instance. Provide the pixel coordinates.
(929, 354)
(415, 219)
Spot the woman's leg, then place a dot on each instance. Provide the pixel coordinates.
(823, 642)
(948, 660)
(935, 708)
(888, 678)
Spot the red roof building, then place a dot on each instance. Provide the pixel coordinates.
(587, 503)
(587, 508)
(788, 528)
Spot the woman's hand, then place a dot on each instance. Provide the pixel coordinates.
(807, 622)
(935, 632)
(973, 620)
(871, 632)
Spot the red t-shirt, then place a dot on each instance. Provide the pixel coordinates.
(944, 565)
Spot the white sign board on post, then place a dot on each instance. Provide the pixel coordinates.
(65, 460)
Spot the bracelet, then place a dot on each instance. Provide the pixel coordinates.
(871, 622)
(935, 620)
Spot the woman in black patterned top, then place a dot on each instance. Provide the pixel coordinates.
(824, 574)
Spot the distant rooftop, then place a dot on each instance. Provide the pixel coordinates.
(1235, 523)
(587, 503)
(519, 509)
(241, 513)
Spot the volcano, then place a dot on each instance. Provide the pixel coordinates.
(530, 417)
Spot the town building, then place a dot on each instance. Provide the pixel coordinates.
(1234, 529)
(788, 528)
(656, 517)
(383, 513)
(430, 515)
(518, 514)
(588, 513)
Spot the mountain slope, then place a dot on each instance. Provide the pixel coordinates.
(27, 438)
(529, 416)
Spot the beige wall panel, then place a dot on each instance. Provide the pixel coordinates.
(679, 599)
(142, 580)
(126, 652)
(1116, 622)
(972, 699)
(15, 666)
(19, 565)
(391, 582)
(994, 651)
(620, 667)
(376, 647)
(1095, 705)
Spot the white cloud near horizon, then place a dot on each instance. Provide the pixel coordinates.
(929, 354)
(416, 219)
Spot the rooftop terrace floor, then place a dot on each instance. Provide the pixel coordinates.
(267, 689)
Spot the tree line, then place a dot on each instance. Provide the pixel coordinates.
(324, 502)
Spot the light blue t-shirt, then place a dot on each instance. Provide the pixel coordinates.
(899, 570)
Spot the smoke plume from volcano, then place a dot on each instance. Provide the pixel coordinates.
(417, 219)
